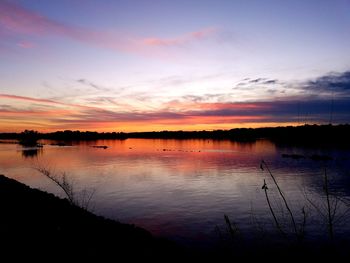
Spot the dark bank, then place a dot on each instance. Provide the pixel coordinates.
(296, 135)
(38, 225)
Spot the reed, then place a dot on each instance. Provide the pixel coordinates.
(264, 164)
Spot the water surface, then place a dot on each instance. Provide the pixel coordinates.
(181, 189)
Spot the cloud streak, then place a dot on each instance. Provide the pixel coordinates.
(45, 101)
(15, 97)
(18, 20)
(91, 84)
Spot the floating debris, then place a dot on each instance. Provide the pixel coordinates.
(100, 146)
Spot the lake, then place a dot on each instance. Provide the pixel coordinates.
(181, 189)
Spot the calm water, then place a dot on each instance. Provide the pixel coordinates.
(181, 189)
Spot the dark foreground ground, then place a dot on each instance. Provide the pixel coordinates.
(35, 225)
(38, 225)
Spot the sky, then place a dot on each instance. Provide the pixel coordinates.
(151, 65)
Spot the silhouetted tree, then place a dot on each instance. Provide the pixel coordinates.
(29, 138)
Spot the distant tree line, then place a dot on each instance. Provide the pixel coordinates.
(319, 134)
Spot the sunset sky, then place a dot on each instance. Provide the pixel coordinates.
(173, 65)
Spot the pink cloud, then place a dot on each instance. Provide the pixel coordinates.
(203, 33)
(25, 44)
(34, 113)
(19, 20)
(46, 101)
(189, 37)
(8, 96)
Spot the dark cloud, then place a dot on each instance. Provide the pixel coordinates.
(248, 83)
(337, 83)
(257, 80)
(194, 98)
(332, 84)
(270, 81)
(319, 110)
(206, 97)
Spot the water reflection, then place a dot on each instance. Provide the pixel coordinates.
(31, 152)
(181, 188)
